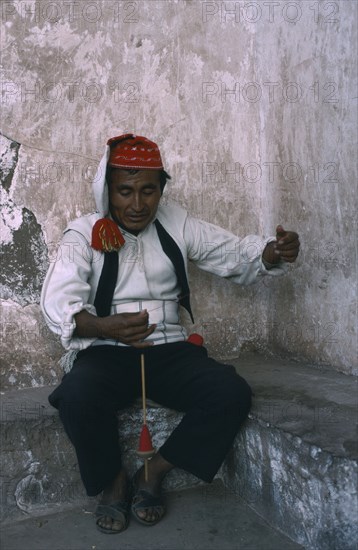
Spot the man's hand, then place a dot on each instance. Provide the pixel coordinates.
(286, 247)
(129, 328)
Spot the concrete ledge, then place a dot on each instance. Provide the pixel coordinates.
(294, 462)
(39, 471)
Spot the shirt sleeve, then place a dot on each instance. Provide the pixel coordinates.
(222, 253)
(66, 289)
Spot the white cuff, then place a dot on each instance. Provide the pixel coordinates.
(68, 327)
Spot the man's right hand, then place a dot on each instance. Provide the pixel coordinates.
(129, 328)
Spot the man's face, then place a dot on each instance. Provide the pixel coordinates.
(134, 198)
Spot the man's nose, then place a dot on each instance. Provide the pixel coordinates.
(137, 203)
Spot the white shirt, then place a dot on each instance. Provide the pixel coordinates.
(146, 276)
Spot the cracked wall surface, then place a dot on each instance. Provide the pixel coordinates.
(27, 356)
(24, 262)
(255, 116)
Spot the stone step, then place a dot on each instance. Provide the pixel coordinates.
(294, 462)
(194, 521)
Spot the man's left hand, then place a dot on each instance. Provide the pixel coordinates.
(285, 248)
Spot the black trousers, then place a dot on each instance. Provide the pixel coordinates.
(181, 376)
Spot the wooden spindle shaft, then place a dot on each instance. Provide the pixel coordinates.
(144, 404)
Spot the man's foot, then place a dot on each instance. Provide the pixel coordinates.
(147, 504)
(112, 511)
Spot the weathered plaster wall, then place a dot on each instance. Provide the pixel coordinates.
(253, 105)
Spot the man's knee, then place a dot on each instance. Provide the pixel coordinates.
(79, 396)
(236, 395)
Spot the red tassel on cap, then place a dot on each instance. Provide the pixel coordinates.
(106, 236)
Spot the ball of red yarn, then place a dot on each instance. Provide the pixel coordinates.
(196, 339)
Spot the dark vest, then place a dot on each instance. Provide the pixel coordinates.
(109, 274)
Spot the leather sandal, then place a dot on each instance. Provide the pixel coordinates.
(117, 511)
(142, 500)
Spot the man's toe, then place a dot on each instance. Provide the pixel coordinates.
(117, 525)
(109, 524)
(143, 514)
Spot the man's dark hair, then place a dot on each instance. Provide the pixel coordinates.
(163, 175)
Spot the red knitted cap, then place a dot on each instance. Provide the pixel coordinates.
(137, 152)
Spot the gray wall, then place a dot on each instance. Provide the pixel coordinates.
(254, 108)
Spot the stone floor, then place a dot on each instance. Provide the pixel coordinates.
(194, 521)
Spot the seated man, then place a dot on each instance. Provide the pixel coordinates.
(114, 293)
